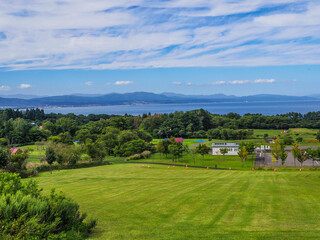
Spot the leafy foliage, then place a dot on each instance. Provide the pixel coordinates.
(17, 161)
(67, 154)
(132, 147)
(243, 154)
(202, 149)
(176, 150)
(95, 150)
(20, 127)
(27, 214)
(302, 156)
(50, 155)
(4, 157)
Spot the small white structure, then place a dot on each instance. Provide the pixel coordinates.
(233, 148)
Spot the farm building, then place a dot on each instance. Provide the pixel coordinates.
(233, 148)
(15, 150)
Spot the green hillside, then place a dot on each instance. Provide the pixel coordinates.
(131, 202)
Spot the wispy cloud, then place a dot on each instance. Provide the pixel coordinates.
(235, 82)
(123, 82)
(177, 83)
(4, 88)
(152, 34)
(264, 81)
(24, 85)
(89, 83)
(238, 82)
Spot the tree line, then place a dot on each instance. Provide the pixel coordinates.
(31, 125)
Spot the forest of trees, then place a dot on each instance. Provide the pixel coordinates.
(32, 125)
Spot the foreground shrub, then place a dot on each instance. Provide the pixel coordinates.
(27, 214)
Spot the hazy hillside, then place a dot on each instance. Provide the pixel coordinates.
(136, 98)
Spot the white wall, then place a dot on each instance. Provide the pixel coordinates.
(233, 152)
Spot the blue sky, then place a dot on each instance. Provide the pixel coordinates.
(238, 47)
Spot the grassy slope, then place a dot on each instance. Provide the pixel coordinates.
(132, 202)
(208, 160)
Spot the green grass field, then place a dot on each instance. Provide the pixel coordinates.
(187, 142)
(131, 202)
(206, 161)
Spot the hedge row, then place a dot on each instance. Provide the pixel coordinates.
(46, 168)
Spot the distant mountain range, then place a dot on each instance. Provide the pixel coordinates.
(79, 100)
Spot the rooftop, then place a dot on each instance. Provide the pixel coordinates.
(222, 144)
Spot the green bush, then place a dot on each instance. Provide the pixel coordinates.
(135, 157)
(46, 167)
(287, 140)
(132, 147)
(3, 142)
(17, 162)
(27, 214)
(146, 154)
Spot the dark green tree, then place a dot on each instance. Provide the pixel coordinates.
(17, 161)
(50, 157)
(202, 149)
(95, 150)
(224, 151)
(4, 157)
(176, 150)
(318, 136)
(161, 148)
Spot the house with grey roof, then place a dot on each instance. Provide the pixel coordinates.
(233, 148)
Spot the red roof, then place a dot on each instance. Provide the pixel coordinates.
(178, 139)
(14, 150)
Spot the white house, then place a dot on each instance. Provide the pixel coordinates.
(233, 148)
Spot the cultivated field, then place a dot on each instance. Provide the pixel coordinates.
(131, 202)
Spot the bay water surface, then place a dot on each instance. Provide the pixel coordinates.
(265, 108)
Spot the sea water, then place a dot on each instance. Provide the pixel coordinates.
(265, 108)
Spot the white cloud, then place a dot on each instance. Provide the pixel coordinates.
(97, 34)
(234, 82)
(292, 19)
(24, 85)
(123, 82)
(4, 88)
(89, 83)
(177, 83)
(218, 83)
(239, 82)
(264, 81)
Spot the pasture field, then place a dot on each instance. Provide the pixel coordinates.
(187, 142)
(191, 142)
(259, 133)
(308, 135)
(35, 152)
(131, 202)
(207, 161)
